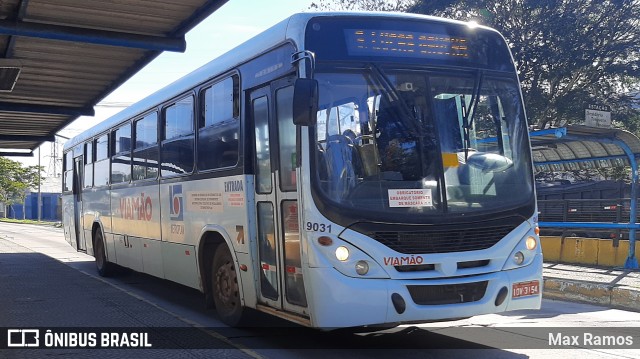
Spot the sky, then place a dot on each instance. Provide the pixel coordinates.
(229, 26)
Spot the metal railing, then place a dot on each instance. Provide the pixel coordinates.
(584, 210)
(598, 218)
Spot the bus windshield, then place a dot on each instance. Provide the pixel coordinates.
(409, 142)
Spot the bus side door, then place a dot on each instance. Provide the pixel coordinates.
(281, 283)
(77, 230)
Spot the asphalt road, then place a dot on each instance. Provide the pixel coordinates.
(514, 335)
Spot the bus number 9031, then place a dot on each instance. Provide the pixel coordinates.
(318, 227)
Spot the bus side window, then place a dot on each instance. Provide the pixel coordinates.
(218, 125)
(145, 150)
(177, 147)
(88, 164)
(101, 165)
(121, 159)
(67, 185)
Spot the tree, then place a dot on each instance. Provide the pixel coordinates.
(15, 180)
(568, 53)
(350, 5)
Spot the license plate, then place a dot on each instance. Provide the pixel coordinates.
(524, 289)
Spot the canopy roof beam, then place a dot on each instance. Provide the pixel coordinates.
(50, 109)
(93, 36)
(16, 154)
(17, 138)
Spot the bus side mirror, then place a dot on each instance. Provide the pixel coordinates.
(305, 102)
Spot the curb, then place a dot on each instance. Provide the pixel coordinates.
(615, 296)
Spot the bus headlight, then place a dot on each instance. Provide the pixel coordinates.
(524, 252)
(518, 258)
(342, 253)
(345, 257)
(362, 267)
(531, 243)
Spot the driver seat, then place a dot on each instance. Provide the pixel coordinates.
(340, 165)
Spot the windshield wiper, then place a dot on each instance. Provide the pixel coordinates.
(467, 120)
(406, 114)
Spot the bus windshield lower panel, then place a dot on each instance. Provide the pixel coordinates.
(400, 144)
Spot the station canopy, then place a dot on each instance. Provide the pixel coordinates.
(59, 58)
(580, 147)
(577, 147)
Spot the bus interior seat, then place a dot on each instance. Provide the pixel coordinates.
(340, 165)
(348, 133)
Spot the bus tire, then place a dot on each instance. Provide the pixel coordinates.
(225, 288)
(105, 269)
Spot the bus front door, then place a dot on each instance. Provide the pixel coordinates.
(280, 283)
(77, 230)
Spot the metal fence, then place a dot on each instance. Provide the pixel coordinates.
(585, 210)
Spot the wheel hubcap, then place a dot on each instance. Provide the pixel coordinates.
(227, 284)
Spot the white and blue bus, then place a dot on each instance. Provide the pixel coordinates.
(337, 170)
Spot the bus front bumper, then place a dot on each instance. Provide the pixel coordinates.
(339, 301)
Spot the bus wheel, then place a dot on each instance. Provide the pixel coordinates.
(105, 269)
(226, 292)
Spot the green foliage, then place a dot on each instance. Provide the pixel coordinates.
(15, 180)
(569, 53)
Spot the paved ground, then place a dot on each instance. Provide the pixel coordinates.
(38, 291)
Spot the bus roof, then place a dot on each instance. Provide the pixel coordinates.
(289, 29)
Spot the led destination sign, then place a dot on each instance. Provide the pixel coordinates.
(405, 43)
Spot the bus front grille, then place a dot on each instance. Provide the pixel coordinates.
(443, 240)
(447, 294)
(432, 267)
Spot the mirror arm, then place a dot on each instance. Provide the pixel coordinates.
(309, 58)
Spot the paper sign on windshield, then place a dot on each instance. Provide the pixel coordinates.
(410, 197)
